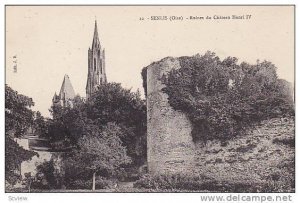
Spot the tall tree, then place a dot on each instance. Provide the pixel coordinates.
(112, 123)
(109, 104)
(112, 103)
(100, 151)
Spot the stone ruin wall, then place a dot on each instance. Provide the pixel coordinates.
(170, 145)
(253, 156)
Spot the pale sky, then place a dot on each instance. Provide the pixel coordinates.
(51, 41)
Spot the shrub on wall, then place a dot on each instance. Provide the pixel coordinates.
(221, 98)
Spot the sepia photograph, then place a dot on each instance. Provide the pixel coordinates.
(149, 99)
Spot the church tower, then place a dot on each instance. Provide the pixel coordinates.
(66, 94)
(96, 65)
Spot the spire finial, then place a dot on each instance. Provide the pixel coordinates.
(95, 38)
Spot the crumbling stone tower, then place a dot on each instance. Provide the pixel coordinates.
(96, 65)
(170, 148)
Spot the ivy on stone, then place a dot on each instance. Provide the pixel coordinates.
(221, 97)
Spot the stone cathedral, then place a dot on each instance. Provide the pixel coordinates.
(96, 75)
(96, 65)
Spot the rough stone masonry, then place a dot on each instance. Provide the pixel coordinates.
(170, 145)
(250, 158)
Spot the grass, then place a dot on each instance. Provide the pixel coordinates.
(21, 190)
(117, 190)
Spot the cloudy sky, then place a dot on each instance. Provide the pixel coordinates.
(50, 42)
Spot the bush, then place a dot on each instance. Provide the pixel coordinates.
(47, 176)
(180, 182)
(41, 185)
(176, 181)
(130, 173)
(101, 183)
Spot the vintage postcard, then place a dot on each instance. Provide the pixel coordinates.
(147, 99)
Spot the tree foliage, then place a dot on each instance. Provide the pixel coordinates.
(18, 118)
(40, 125)
(14, 156)
(104, 133)
(48, 173)
(221, 98)
(67, 126)
(112, 103)
(18, 115)
(99, 151)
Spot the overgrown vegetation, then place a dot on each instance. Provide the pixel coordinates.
(199, 183)
(100, 138)
(111, 104)
(221, 97)
(101, 183)
(18, 118)
(48, 176)
(102, 135)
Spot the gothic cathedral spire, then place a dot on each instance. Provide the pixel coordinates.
(96, 65)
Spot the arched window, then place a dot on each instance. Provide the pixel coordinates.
(101, 67)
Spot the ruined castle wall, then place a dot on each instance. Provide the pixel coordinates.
(170, 146)
(250, 158)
